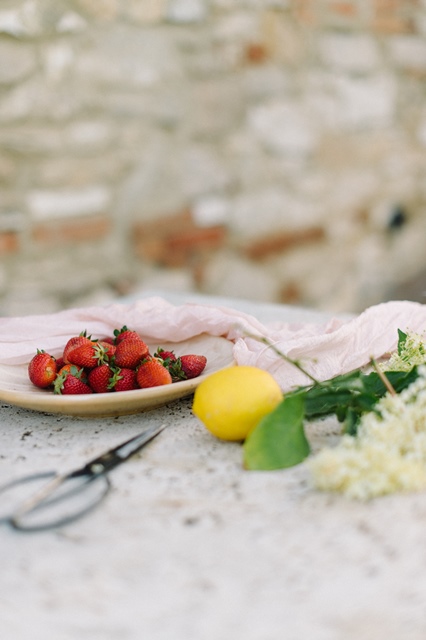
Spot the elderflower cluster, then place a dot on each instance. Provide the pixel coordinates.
(387, 455)
(411, 352)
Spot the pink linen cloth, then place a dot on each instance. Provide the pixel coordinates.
(325, 350)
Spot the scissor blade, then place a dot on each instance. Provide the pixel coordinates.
(113, 457)
(124, 451)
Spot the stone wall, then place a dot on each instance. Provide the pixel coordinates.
(266, 149)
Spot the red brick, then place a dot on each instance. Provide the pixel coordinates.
(164, 224)
(202, 237)
(176, 241)
(333, 13)
(345, 9)
(345, 14)
(362, 217)
(9, 242)
(290, 294)
(384, 16)
(393, 16)
(416, 74)
(255, 53)
(281, 242)
(305, 13)
(63, 232)
(391, 25)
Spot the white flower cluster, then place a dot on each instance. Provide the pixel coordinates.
(387, 455)
(412, 353)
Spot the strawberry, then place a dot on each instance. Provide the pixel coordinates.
(59, 363)
(126, 380)
(192, 365)
(187, 367)
(129, 353)
(124, 333)
(42, 369)
(72, 368)
(152, 373)
(71, 383)
(108, 347)
(74, 343)
(88, 355)
(166, 356)
(102, 379)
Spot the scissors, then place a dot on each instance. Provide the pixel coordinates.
(55, 498)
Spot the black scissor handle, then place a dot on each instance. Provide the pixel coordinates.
(46, 500)
(18, 491)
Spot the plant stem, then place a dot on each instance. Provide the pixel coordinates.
(382, 377)
(283, 355)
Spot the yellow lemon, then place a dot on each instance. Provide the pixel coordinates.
(230, 402)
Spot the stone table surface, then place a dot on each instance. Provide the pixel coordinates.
(190, 546)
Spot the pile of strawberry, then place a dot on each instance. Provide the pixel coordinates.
(121, 362)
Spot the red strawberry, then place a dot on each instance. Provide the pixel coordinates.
(124, 333)
(126, 380)
(42, 369)
(74, 343)
(166, 356)
(72, 368)
(130, 352)
(88, 355)
(102, 379)
(192, 365)
(59, 363)
(108, 347)
(187, 367)
(152, 373)
(70, 383)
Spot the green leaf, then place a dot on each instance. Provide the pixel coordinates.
(399, 380)
(324, 401)
(357, 392)
(279, 439)
(402, 339)
(351, 422)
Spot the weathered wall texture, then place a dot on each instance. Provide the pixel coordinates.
(273, 150)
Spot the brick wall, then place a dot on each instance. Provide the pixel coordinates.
(273, 151)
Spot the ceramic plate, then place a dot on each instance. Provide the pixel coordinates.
(16, 388)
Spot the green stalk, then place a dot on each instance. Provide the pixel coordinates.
(284, 356)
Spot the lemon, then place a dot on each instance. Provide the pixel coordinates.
(230, 402)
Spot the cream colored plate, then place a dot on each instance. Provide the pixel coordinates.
(16, 388)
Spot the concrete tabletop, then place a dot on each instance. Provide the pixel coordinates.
(190, 546)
